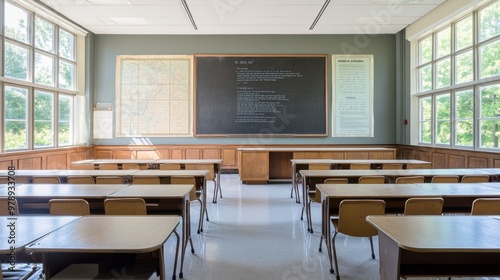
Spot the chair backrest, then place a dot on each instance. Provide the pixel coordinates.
(317, 193)
(145, 180)
(418, 166)
(45, 180)
(444, 179)
(359, 166)
(319, 166)
(186, 180)
(85, 166)
(76, 207)
(8, 207)
(392, 166)
(475, 179)
(486, 206)
(127, 166)
(80, 180)
(170, 166)
(4, 180)
(352, 216)
(108, 166)
(371, 180)
(424, 206)
(125, 206)
(108, 180)
(410, 180)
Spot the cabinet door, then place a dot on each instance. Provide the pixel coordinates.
(254, 166)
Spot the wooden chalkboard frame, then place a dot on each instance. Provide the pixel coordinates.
(311, 115)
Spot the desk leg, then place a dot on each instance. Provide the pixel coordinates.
(204, 199)
(294, 182)
(389, 254)
(326, 228)
(217, 184)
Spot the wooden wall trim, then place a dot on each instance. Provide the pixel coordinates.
(60, 158)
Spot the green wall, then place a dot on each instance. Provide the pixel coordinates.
(383, 47)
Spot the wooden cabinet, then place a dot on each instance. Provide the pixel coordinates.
(256, 167)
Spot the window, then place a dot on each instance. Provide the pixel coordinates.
(39, 80)
(449, 82)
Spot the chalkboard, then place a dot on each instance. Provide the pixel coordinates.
(261, 95)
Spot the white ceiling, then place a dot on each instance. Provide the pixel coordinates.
(243, 16)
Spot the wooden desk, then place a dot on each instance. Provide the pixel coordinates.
(34, 198)
(217, 164)
(201, 182)
(312, 177)
(456, 196)
(27, 229)
(437, 245)
(259, 165)
(105, 238)
(303, 164)
(164, 196)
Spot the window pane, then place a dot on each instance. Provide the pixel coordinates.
(44, 69)
(488, 21)
(490, 116)
(443, 71)
(16, 62)
(463, 33)
(425, 50)
(16, 23)
(425, 115)
(16, 120)
(44, 114)
(66, 75)
(65, 120)
(464, 68)
(443, 42)
(44, 35)
(464, 111)
(443, 119)
(425, 77)
(489, 59)
(66, 45)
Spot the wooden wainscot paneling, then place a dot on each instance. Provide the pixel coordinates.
(423, 155)
(30, 163)
(305, 155)
(56, 162)
(438, 160)
(193, 153)
(103, 154)
(177, 153)
(124, 154)
(331, 155)
(148, 154)
(211, 153)
(456, 161)
(496, 163)
(77, 156)
(163, 153)
(4, 164)
(477, 162)
(229, 158)
(357, 155)
(382, 155)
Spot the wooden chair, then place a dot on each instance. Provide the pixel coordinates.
(149, 180)
(424, 206)
(8, 207)
(125, 206)
(128, 166)
(363, 166)
(319, 166)
(170, 166)
(410, 180)
(108, 180)
(351, 221)
(418, 166)
(194, 195)
(371, 180)
(315, 196)
(80, 180)
(392, 166)
(75, 207)
(108, 166)
(45, 180)
(475, 179)
(486, 206)
(444, 179)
